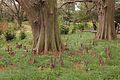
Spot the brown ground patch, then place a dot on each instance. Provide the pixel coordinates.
(2, 68)
(4, 25)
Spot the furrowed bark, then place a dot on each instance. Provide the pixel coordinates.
(42, 15)
(106, 30)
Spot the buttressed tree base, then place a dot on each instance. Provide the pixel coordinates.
(106, 9)
(42, 15)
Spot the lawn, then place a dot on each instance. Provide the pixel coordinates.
(86, 59)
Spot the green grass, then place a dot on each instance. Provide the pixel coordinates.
(72, 69)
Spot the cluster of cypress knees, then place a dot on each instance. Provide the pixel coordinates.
(107, 51)
(12, 52)
(55, 59)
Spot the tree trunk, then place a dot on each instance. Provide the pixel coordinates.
(106, 30)
(42, 15)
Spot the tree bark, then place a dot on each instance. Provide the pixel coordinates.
(106, 30)
(42, 15)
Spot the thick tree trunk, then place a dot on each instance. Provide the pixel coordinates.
(43, 18)
(106, 9)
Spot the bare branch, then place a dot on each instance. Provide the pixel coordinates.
(70, 2)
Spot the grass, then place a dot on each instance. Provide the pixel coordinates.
(74, 68)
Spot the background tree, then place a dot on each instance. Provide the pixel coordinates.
(14, 10)
(117, 12)
(105, 19)
(106, 12)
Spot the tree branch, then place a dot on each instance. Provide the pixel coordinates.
(70, 2)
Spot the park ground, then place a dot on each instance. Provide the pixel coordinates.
(92, 64)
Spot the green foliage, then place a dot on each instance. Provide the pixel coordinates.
(22, 35)
(74, 27)
(80, 26)
(83, 26)
(9, 34)
(4, 62)
(117, 16)
(12, 26)
(64, 29)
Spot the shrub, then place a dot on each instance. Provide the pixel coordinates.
(83, 25)
(22, 35)
(1, 32)
(89, 24)
(117, 16)
(79, 26)
(64, 30)
(9, 34)
(72, 29)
